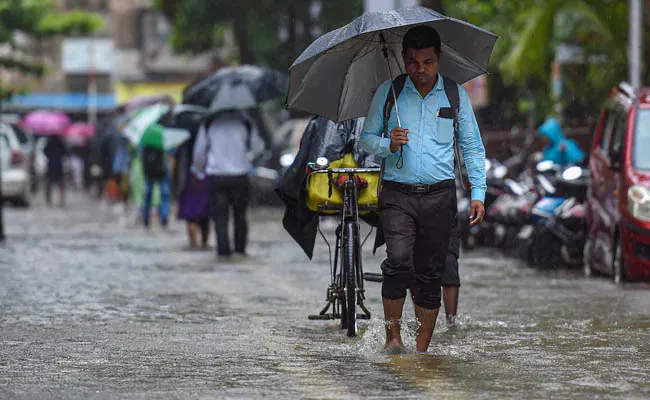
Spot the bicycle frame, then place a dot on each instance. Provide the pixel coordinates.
(338, 289)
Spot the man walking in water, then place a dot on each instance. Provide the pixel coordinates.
(417, 204)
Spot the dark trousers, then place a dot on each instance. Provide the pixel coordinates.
(227, 192)
(416, 228)
(451, 276)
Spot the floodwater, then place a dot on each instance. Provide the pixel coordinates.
(92, 307)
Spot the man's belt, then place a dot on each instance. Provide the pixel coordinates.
(422, 188)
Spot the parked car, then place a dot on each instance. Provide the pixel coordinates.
(618, 212)
(15, 177)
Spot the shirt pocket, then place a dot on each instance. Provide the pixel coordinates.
(444, 130)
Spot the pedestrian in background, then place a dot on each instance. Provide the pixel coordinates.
(156, 172)
(557, 147)
(223, 151)
(55, 151)
(194, 199)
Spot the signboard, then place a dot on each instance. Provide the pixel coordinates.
(78, 55)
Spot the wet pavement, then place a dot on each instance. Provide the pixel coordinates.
(92, 307)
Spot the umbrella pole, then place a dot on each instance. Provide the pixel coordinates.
(384, 50)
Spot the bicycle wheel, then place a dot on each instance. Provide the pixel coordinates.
(349, 271)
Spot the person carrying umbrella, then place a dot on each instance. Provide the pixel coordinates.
(338, 76)
(418, 199)
(227, 140)
(221, 152)
(55, 150)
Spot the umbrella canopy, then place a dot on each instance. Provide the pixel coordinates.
(337, 75)
(163, 138)
(144, 130)
(81, 129)
(239, 87)
(44, 122)
(139, 123)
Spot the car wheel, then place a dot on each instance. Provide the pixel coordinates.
(618, 266)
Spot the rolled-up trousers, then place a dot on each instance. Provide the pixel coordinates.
(416, 228)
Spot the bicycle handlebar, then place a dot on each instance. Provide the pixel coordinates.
(346, 170)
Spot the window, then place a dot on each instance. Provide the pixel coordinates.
(608, 125)
(618, 134)
(641, 144)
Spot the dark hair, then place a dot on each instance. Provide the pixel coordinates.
(422, 37)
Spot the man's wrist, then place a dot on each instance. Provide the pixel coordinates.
(478, 194)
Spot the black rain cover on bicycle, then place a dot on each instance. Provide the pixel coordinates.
(322, 138)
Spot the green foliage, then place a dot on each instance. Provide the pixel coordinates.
(77, 23)
(39, 19)
(530, 31)
(200, 25)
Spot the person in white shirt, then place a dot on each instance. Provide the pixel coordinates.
(223, 151)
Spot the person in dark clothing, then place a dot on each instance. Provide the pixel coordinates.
(417, 205)
(221, 152)
(450, 278)
(194, 194)
(55, 151)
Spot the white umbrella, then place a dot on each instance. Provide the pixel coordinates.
(139, 123)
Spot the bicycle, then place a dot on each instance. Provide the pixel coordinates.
(346, 290)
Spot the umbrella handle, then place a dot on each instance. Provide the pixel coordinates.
(384, 50)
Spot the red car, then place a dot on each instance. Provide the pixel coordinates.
(618, 212)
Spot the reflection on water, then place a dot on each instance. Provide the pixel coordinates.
(95, 306)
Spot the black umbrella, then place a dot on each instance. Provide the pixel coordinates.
(344, 67)
(237, 88)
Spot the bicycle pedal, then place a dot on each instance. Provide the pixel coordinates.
(373, 277)
(319, 317)
(363, 316)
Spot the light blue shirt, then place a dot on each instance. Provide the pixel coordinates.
(429, 154)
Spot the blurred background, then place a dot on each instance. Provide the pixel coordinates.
(85, 57)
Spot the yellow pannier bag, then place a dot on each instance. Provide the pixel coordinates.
(318, 187)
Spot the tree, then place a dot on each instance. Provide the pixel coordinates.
(38, 19)
(529, 34)
(267, 32)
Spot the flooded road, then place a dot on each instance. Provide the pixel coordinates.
(92, 307)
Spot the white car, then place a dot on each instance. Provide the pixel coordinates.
(14, 168)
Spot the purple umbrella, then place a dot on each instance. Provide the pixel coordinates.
(44, 122)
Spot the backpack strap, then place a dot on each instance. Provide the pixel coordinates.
(451, 90)
(249, 132)
(398, 85)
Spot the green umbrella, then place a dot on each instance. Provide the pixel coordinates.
(163, 138)
(144, 130)
(139, 123)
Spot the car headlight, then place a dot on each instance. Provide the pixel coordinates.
(638, 202)
(287, 159)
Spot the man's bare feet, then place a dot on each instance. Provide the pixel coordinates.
(427, 319)
(393, 319)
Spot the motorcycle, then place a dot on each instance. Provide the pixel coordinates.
(558, 218)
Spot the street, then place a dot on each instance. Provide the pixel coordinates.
(92, 307)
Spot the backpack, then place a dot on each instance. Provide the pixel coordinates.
(451, 90)
(249, 130)
(153, 163)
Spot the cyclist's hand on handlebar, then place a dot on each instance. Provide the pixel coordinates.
(398, 138)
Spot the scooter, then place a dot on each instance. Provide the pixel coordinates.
(560, 227)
